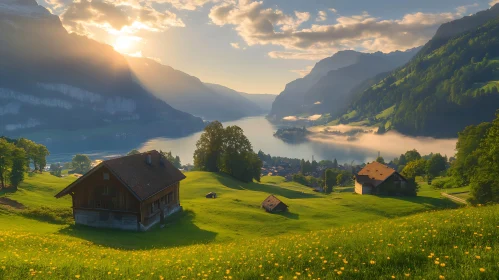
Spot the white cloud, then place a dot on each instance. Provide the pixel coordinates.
(321, 16)
(493, 2)
(258, 25)
(190, 5)
(235, 45)
(125, 16)
(333, 10)
(303, 72)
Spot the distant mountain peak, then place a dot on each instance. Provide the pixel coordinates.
(25, 8)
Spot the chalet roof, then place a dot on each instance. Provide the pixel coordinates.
(271, 202)
(374, 173)
(142, 179)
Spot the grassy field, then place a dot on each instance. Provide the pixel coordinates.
(233, 236)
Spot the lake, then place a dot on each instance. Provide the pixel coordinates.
(260, 133)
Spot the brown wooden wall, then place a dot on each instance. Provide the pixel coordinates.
(166, 200)
(96, 192)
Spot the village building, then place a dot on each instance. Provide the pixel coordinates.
(377, 178)
(272, 205)
(132, 192)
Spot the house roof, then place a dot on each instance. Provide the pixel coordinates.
(271, 202)
(142, 179)
(374, 173)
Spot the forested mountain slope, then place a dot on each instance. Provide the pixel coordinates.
(452, 83)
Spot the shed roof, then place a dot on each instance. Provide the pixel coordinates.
(271, 202)
(142, 179)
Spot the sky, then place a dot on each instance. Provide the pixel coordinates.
(256, 46)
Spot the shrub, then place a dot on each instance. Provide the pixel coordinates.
(50, 215)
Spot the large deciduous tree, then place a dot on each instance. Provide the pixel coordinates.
(81, 163)
(466, 159)
(6, 149)
(227, 150)
(18, 167)
(209, 147)
(484, 183)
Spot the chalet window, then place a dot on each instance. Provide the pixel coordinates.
(106, 176)
(170, 197)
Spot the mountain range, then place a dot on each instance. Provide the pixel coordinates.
(326, 89)
(53, 80)
(189, 94)
(451, 83)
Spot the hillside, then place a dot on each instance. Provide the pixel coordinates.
(327, 88)
(189, 94)
(450, 84)
(452, 243)
(46, 73)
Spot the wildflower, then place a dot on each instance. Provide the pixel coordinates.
(77, 276)
(442, 264)
(407, 274)
(372, 262)
(437, 262)
(477, 257)
(441, 277)
(339, 272)
(393, 276)
(482, 269)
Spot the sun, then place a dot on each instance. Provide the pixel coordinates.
(126, 44)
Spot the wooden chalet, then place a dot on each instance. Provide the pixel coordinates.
(376, 177)
(132, 192)
(272, 205)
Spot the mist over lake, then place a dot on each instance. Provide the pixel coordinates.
(260, 133)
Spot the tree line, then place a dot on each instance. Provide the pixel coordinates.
(227, 150)
(16, 157)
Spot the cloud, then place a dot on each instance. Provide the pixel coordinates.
(258, 25)
(321, 16)
(190, 5)
(333, 10)
(493, 2)
(235, 45)
(117, 16)
(303, 72)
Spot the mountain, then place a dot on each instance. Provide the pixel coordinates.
(451, 83)
(326, 89)
(189, 94)
(50, 79)
(262, 101)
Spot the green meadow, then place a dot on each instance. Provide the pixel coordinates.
(340, 235)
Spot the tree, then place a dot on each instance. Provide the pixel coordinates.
(339, 179)
(435, 165)
(330, 179)
(209, 148)
(41, 153)
(466, 160)
(18, 167)
(81, 163)
(238, 158)
(484, 183)
(414, 168)
(133, 152)
(6, 149)
(335, 163)
(412, 155)
(174, 160)
(380, 159)
(30, 148)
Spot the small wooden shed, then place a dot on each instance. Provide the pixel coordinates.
(272, 205)
(211, 195)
